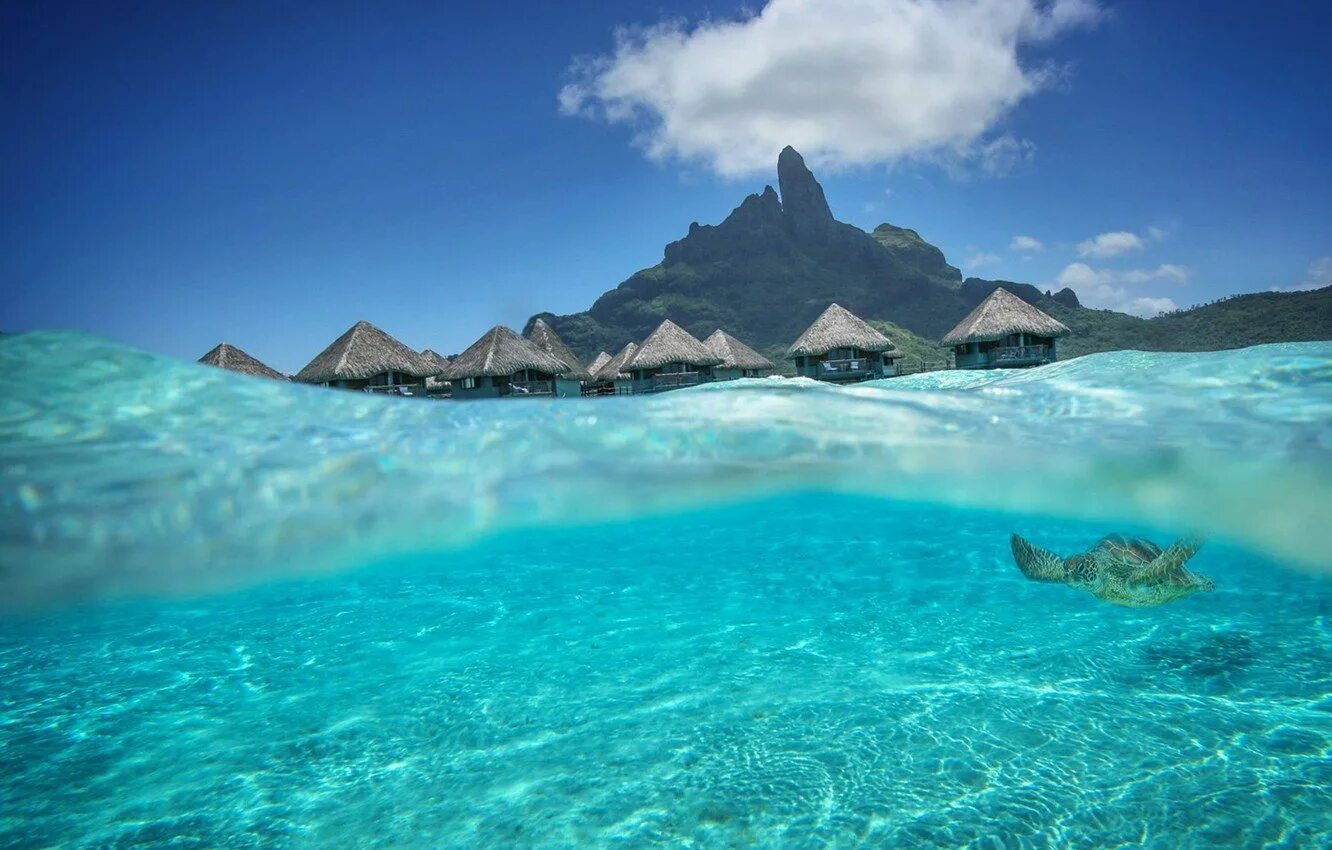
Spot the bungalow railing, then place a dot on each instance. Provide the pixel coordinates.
(1019, 353)
(531, 388)
(916, 367)
(396, 389)
(671, 380)
(846, 367)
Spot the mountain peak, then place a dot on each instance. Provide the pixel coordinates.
(802, 197)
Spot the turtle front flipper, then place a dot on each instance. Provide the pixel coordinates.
(1171, 561)
(1036, 563)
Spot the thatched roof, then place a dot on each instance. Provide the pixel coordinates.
(614, 368)
(1001, 314)
(735, 354)
(545, 338)
(437, 364)
(228, 356)
(362, 352)
(598, 363)
(670, 343)
(500, 351)
(838, 327)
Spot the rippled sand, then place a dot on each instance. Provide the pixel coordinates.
(811, 671)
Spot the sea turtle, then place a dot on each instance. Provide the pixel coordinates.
(1124, 570)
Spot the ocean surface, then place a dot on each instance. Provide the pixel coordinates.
(770, 613)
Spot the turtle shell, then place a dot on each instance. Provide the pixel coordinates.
(1129, 550)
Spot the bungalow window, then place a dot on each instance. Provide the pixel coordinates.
(469, 383)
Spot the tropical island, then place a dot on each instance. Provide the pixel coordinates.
(780, 268)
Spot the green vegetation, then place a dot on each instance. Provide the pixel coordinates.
(767, 271)
(1235, 322)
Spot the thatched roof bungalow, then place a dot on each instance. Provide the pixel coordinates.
(545, 338)
(842, 347)
(611, 377)
(438, 364)
(1005, 332)
(737, 359)
(227, 356)
(366, 358)
(502, 364)
(668, 359)
(597, 364)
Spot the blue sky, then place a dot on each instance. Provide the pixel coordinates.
(175, 175)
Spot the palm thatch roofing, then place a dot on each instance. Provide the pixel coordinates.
(615, 367)
(362, 352)
(597, 363)
(435, 361)
(735, 354)
(545, 338)
(670, 343)
(501, 351)
(227, 356)
(1001, 314)
(838, 327)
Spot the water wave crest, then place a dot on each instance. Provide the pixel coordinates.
(125, 472)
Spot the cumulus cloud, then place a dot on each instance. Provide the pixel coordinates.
(1110, 288)
(1025, 243)
(847, 82)
(981, 258)
(1318, 275)
(1110, 245)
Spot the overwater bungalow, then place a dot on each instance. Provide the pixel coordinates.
(598, 363)
(737, 359)
(502, 364)
(438, 364)
(1004, 332)
(842, 347)
(227, 356)
(545, 338)
(668, 359)
(366, 358)
(611, 377)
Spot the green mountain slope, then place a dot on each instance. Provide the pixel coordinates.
(1235, 322)
(769, 269)
(775, 263)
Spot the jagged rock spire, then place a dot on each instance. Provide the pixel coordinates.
(803, 201)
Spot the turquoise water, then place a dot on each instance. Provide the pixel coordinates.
(239, 614)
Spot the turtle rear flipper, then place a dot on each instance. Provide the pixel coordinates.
(1036, 563)
(1172, 560)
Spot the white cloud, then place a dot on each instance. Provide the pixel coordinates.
(1157, 234)
(1318, 275)
(1108, 288)
(1110, 245)
(981, 258)
(847, 82)
(1025, 243)
(1147, 306)
(1168, 272)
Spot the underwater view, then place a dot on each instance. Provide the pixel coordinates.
(766, 613)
